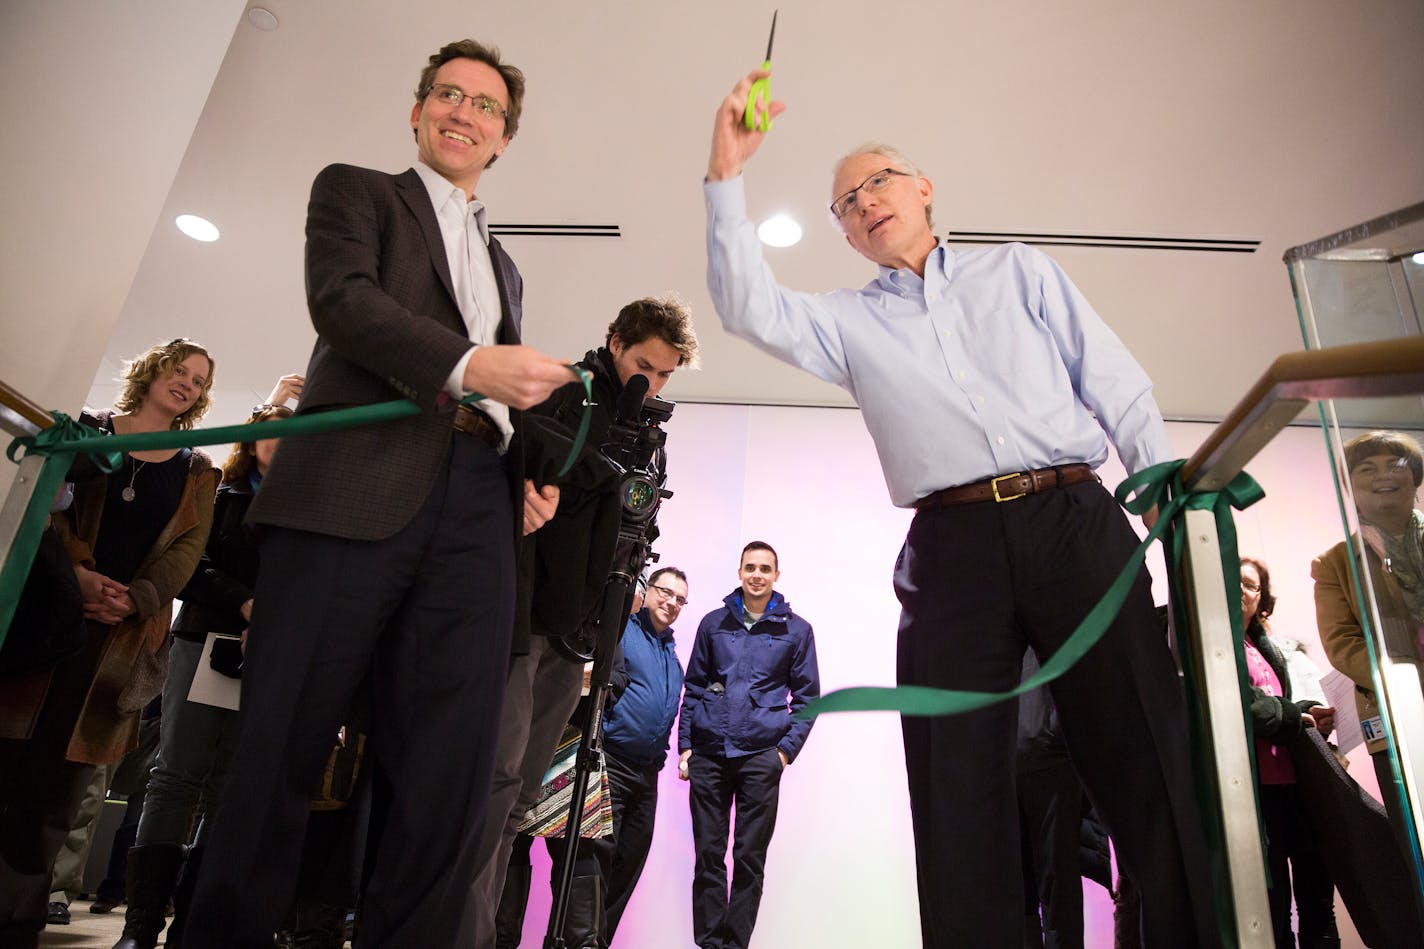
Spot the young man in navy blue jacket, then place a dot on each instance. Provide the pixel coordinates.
(753, 666)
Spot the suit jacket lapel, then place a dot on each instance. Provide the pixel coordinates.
(417, 199)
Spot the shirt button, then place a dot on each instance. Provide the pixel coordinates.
(1000, 439)
(961, 373)
(979, 399)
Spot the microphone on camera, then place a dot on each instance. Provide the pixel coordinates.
(630, 400)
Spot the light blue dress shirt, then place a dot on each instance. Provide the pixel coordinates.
(993, 363)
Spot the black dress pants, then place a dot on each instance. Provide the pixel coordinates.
(428, 614)
(752, 784)
(978, 583)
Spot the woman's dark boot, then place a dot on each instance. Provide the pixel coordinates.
(152, 875)
(183, 897)
(583, 924)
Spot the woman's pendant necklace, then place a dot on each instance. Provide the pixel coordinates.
(128, 493)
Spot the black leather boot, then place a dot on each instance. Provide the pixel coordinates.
(152, 875)
(509, 915)
(183, 897)
(583, 925)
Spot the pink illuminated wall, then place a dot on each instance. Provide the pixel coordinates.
(840, 872)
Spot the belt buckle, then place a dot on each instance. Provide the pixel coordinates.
(1000, 498)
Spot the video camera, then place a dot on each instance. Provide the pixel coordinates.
(633, 446)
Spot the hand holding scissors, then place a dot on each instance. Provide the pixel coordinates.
(758, 115)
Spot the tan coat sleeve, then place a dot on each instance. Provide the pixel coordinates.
(1338, 617)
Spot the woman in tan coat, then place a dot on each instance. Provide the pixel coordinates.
(134, 537)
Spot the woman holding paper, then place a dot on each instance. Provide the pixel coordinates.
(200, 717)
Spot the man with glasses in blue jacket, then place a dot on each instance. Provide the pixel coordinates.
(636, 730)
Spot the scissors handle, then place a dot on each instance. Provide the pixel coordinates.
(759, 94)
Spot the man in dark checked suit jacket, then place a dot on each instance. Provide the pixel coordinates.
(390, 549)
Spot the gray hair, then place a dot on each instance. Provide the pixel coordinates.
(898, 160)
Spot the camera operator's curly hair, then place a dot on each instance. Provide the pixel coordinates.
(141, 372)
(666, 318)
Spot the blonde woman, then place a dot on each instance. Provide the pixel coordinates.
(134, 537)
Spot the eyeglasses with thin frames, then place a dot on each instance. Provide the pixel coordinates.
(481, 103)
(669, 594)
(876, 183)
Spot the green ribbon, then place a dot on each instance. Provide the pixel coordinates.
(61, 442)
(1158, 486)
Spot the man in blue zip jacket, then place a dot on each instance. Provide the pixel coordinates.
(635, 740)
(736, 736)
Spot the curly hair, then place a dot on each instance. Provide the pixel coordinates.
(1266, 605)
(141, 372)
(666, 318)
(242, 459)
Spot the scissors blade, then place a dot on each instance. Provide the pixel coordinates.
(772, 38)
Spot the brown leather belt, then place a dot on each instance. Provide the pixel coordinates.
(476, 423)
(1010, 487)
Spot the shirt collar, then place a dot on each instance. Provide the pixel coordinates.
(442, 192)
(939, 268)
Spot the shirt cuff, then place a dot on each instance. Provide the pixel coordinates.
(455, 384)
(726, 197)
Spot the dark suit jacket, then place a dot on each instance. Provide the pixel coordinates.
(381, 299)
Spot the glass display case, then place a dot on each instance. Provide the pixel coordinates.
(1366, 284)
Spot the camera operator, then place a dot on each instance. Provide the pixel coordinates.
(562, 571)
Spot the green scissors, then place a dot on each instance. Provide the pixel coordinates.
(760, 92)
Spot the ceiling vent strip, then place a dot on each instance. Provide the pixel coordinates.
(1218, 245)
(556, 230)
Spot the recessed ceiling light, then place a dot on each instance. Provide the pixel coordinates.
(262, 18)
(1418, 258)
(198, 228)
(779, 231)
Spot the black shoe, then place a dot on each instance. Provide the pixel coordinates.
(58, 914)
(102, 904)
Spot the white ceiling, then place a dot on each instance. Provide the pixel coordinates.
(1280, 121)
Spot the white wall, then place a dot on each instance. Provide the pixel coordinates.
(840, 871)
(99, 101)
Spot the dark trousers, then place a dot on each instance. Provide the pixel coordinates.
(1050, 819)
(541, 692)
(1294, 863)
(40, 794)
(977, 584)
(723, 920)
(621, 857)
(427, 613)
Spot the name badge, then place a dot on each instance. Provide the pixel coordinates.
(1372, 728)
